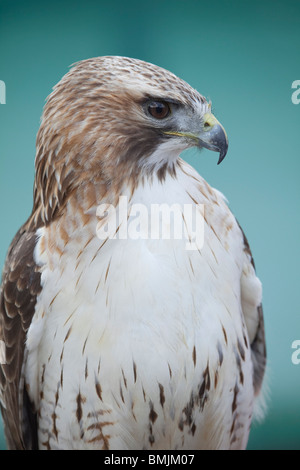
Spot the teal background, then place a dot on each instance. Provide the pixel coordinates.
(244, 56)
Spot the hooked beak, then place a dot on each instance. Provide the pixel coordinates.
(212, 136)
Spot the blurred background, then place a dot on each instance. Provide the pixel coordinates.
(244, 56)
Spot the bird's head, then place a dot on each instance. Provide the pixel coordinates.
(111, 119)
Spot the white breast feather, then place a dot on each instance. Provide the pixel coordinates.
(151, 322)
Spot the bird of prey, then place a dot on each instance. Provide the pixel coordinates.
(127, 342)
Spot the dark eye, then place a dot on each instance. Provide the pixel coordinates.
(159, 109)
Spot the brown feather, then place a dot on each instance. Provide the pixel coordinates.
(20, 287)
(258, 345)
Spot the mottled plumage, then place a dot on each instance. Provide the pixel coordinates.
(127, 343)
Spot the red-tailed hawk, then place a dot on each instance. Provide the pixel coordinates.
(127, 342)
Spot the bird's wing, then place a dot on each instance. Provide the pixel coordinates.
(19, 290)
(251, 298)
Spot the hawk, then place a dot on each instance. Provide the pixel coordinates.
(127, 342)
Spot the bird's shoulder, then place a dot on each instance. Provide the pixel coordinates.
(19, 290)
